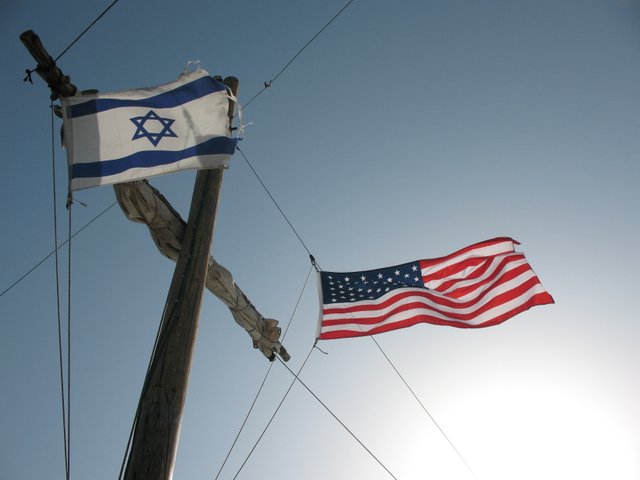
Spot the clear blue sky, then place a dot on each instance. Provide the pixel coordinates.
(406, 130)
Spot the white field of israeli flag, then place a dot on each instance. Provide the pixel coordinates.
(133, 134)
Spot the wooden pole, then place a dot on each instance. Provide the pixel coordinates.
(155, 441)
(59, 83)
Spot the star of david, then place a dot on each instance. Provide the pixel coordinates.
(153, 137)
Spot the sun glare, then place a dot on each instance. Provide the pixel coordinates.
(526, 434)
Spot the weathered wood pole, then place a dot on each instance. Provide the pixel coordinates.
(155, 440)
(59, 83)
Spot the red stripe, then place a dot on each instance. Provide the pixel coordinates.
(542, 298)
(500, 299)
(456, 268)
(433, 261)
(457, 293)
(443, 300)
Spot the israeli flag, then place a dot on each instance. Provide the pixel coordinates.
(133, 134)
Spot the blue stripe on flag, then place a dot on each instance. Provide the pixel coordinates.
(151, 158)
(183, 94)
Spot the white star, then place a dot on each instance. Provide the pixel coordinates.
(346, 279)
(379, 275)
(389, 279)
(363, 278)
(414, 268)
(397, 272)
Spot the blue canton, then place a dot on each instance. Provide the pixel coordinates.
(153, 137)
(369, 284)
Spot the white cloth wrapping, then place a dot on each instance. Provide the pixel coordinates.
(144, 204)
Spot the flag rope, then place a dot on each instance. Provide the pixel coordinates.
(69, 252)
(304, 245)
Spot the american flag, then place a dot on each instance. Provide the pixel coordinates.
(478, 286)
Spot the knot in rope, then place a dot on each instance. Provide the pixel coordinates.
(28, 78)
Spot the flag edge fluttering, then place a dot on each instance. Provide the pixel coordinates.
(212, 147)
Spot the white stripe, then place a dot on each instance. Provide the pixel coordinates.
(428, 303)
(506, 246)
(462, 274)
(434, 284)
(483, 318)
(108, 135)
(141, 93)
(480, 281)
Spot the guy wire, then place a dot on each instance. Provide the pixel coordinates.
(86, 30)
(295, 308)
(335, 416)
(32, 269)
(272, 416)
(268, 84)
(57, 275)
(423, 407)
(274, 200)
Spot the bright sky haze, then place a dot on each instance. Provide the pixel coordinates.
(406, 130)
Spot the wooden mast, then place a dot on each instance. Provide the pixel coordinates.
(157, 429)
(159, 417)
(59, 83)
